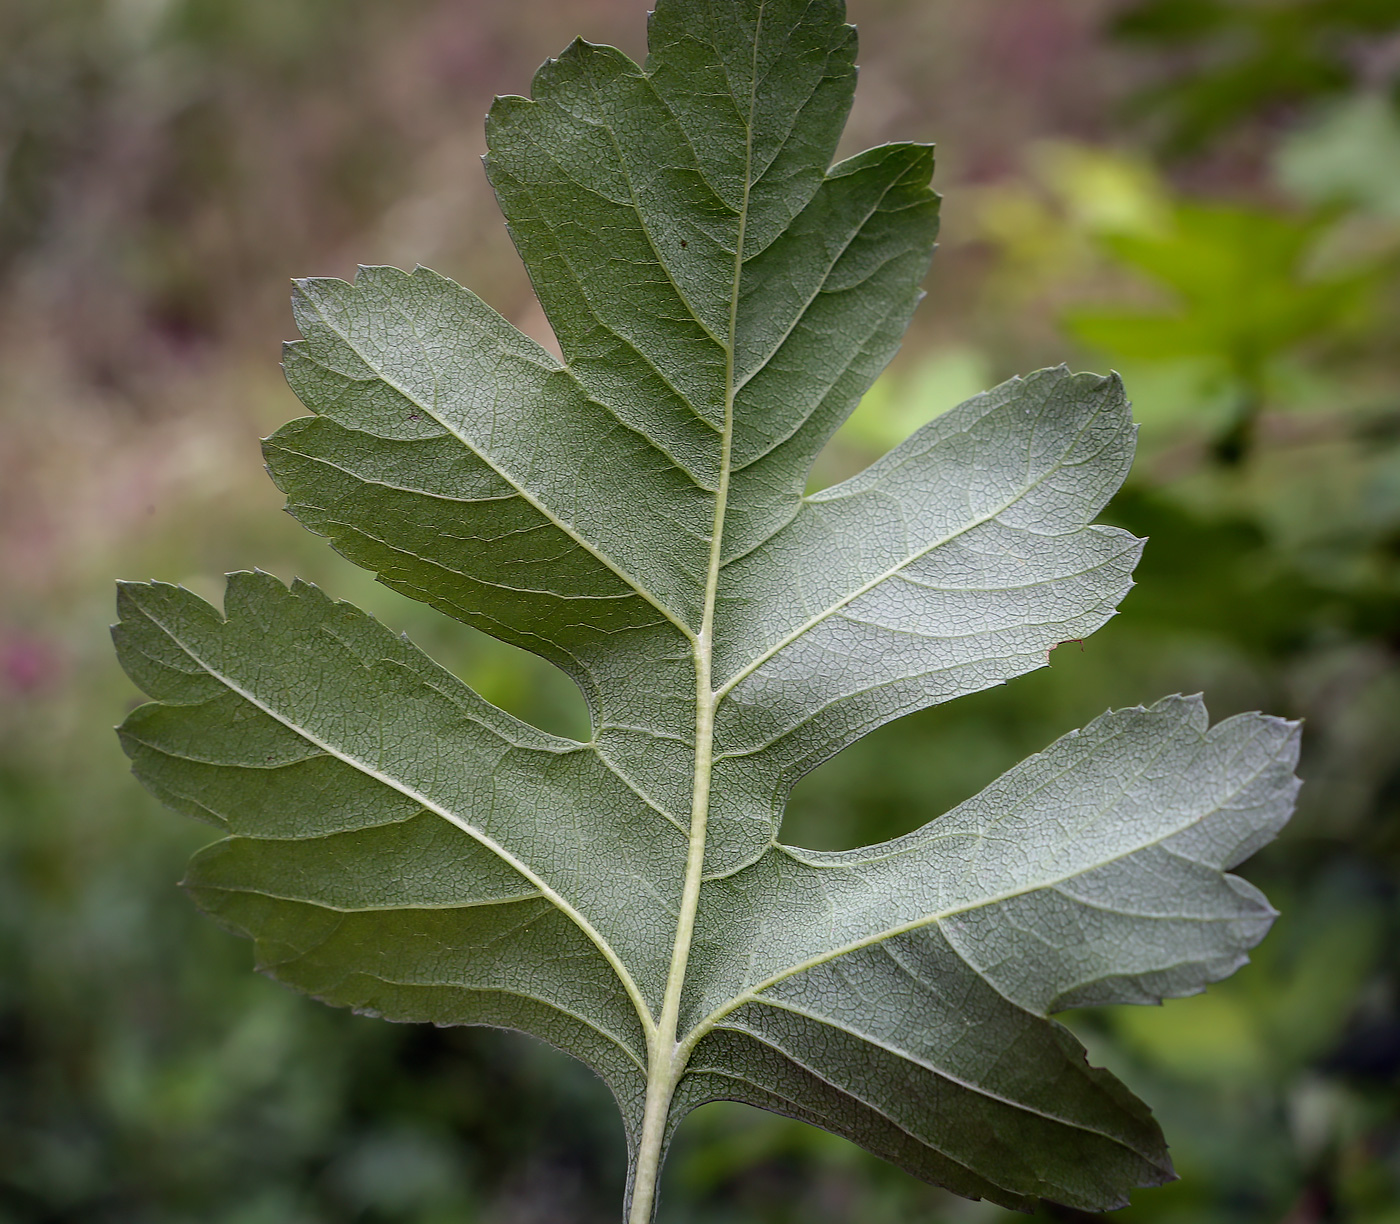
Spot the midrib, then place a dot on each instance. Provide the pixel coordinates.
(706, 699)
(667, 1057)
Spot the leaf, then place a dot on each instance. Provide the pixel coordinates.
(635, 514)
(1242, 292)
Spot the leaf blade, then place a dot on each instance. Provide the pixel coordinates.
(501, 767)
(942, 569)
(1136, 782)
(722, 296)
(841, 962)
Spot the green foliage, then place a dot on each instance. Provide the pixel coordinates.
(636, 515)
(1242, 290)
(1349, 154)
(1243, 298)
(1250, 58)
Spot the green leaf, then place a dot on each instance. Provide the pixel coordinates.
(635, 514)
(1242, 293)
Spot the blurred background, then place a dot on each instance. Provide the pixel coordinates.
(1203, 194)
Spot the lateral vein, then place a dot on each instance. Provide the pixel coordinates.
(628, 983)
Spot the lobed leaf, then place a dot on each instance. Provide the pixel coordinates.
(635, 514)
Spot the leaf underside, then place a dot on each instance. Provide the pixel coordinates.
(722, 296)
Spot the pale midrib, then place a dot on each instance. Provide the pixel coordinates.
(594, 936)
(826, 613)
(524, 493)
(706, 699)
(751, 995)
(668, 1057)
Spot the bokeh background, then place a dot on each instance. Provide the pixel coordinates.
(1203, 194)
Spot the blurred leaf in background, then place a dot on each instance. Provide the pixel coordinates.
(1234, 61)
(1347, 153)
(1244, 300)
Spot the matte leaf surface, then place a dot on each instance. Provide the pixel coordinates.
(722, 296)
